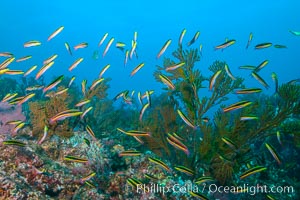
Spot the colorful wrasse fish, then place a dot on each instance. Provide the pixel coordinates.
(55, 33)
(75, 64)
(263, 45)
(213, 79)
(68, 48)
(65, 114)
(143, 110)
(275, 79)
(273, 152)
(229, 72)
(176, 66)
(26, 98)
(225, 44)
(164, 48)
(249, 40)
(85, 112)
(252, 171)
(31, 69)
(104, 70)
(186, 120)
(108, 46)
(194, 39)
(177, 144)
(53, 83)
(296, 33)
(14, 143)
(134, 182)
(185, 170)
(198, 195)
(32, 43)
(6, 62)
(248, 91)
(237, 105)
(181, 37)
(24, 58)
(135, 70)
(95, 83)
(130, 153)
(160, 163)
(260, 79)
(43, 70)
(135, 133)
(102, 40)
(75, 159)
(280, 46)
(261, 65)
(167, 81)
(81, 45)
(204, 179)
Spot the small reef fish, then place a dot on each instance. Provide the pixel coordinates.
(87, 141)
(177, 144)
(14, 143)
(167, 81)
(144, 108)
(68, 48)
(135, 70)
(126, 57)
(44, 136)
(50, 59)
(83, 102)
(75, 64)
(278, 137)
(134, 44)
(194, 39)
(280, 46)
(81, 45)
(237, 105)
(249, 40)
(260, 79)
(26, 98)
(14, 72)
(246, 118)
(229, 72)
(229, 142)
(32, 43)
(225, 44)
(71, 81)
(65, 114)
(89, 183)
(261, 65)
(61, 91)
(83, 87)
(18, 127)
(43, 70)
(185, 170)
(213, 79)
(160, 163)
(90, 131)
(24, 58)
(275, 79)
(120, 45)
(252, 171)
(296, 33)
(134, 182)
(135, 133)
(151, 177)
(53, 83)
(85, 112)
(75, 159)
(102, 40)
(95, 83)
(263, 45)
(6, 54)
(273, 152)
(55, 33)
(31, 69)
(8, 97)
(176, 66)
(249, 67)
(88, 177)
(108, 46)
(6, 62)
(164, 48)
(248, 91)
(130, 153)
(181, 37)
(104, 70)
(186, 119)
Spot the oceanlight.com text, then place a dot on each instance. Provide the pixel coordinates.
(213, 188)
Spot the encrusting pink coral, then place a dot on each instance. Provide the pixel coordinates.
(8, 113)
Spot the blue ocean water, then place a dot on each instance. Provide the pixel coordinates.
(155, 22)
